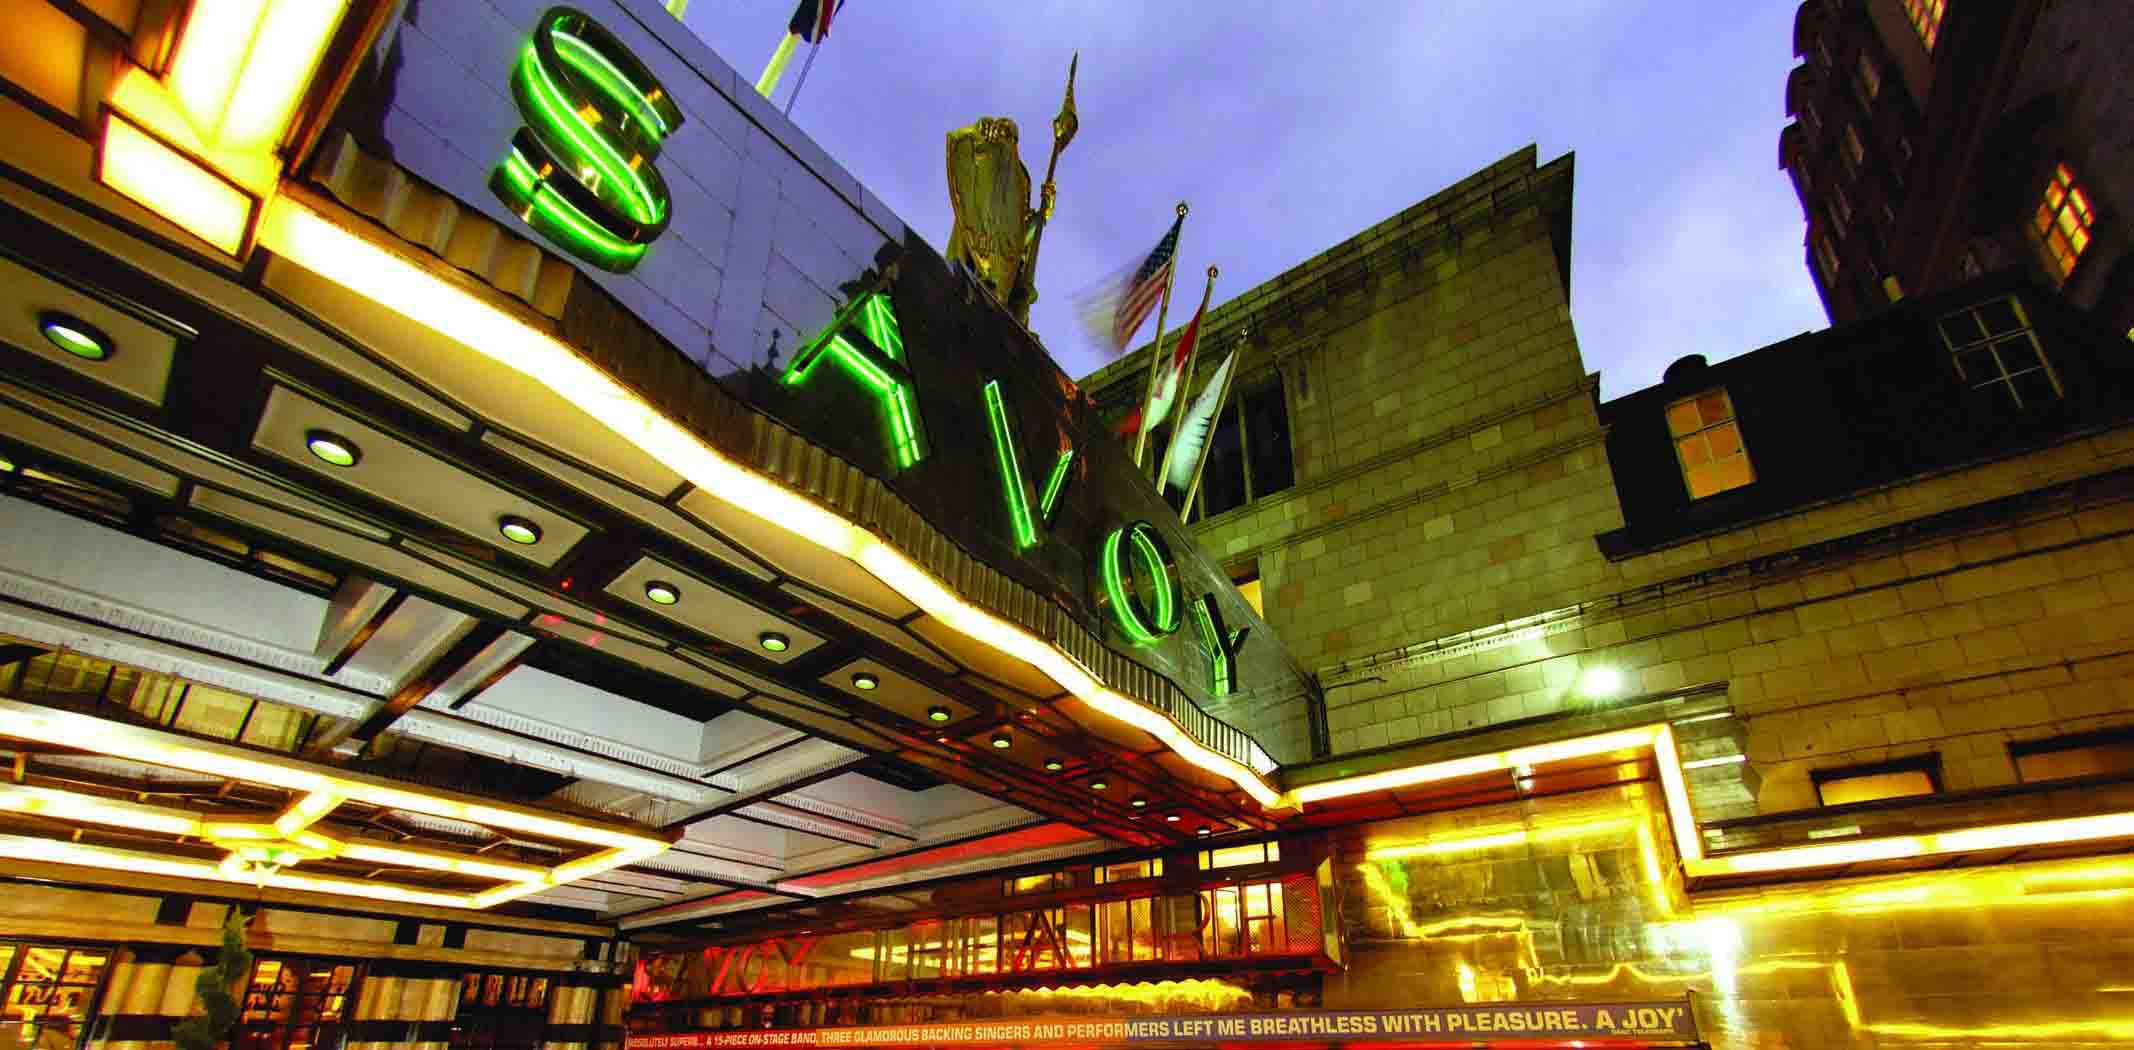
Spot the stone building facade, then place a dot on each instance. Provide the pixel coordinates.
(1447, 451)
(1476, 546)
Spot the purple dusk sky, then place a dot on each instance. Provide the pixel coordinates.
(1291, 126)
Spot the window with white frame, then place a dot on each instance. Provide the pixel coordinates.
(1708, 444)
(1994, 348)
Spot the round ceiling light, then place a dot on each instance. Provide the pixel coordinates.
(75, 336)
(1203, 832)
(1003, 741)
(1140, 801)
(1054, 765)
(772, 641)
(1098, 784)
(660, 592)
(937, 713)
(332, 448)
(1170, 818)
(865, 682)
(519, 530)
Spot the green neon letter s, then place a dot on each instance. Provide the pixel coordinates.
(581, 170)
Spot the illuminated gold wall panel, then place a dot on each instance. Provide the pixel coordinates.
(1557, 899)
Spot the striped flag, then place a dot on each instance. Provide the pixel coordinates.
(1165, 395)
(811, 20)
(1118, 306)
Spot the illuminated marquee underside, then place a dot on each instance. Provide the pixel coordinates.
(319, 826)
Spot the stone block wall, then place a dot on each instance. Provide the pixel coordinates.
(1951, 614)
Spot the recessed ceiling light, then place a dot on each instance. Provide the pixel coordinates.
(1203, 830)
(865, 682)
(774, 642)
(519, 530)
(332, 448)
(1139, 801)
(1054, 765)
(937, 713)
(660, 592)
(6, 464)
(1170, 818)
(1003, 741)
(74, 335)
(1098, 784)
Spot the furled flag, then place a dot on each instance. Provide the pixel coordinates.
(1115, 309)
(811, 20)
(1182, 460)
(1165, 393)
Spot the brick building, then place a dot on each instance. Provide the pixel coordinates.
(1936, 140)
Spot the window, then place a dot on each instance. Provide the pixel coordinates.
(2063, 222)
(47, 993)
(1234, 856)
(1139, 869)
(1248, 454)
(1840, 212)
(1904, 778)
(289, 1000)
(1708, 444)
(1245, 920)
(1993, 347)
(1867, 76)
(2076, 755)
(1854, 152)
(1048, 882)
(1249, 587)
(1826, 256)
(1926, 19)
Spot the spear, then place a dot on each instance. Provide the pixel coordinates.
(1063, 128)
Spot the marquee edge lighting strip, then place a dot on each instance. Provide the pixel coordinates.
(306, 236)
(324, 790)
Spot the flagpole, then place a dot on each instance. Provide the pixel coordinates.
(775, 68)
(1141, 440)
(803, 81)
(1185, 382)
(1222, 399)
(1184, 397)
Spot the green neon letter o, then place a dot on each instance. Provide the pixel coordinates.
(1144, 623)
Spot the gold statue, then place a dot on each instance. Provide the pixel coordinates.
(997, 232)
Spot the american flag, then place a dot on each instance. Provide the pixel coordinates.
(1116, 309)
(811, 20)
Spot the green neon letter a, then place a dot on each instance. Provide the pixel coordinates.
(866, 345)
